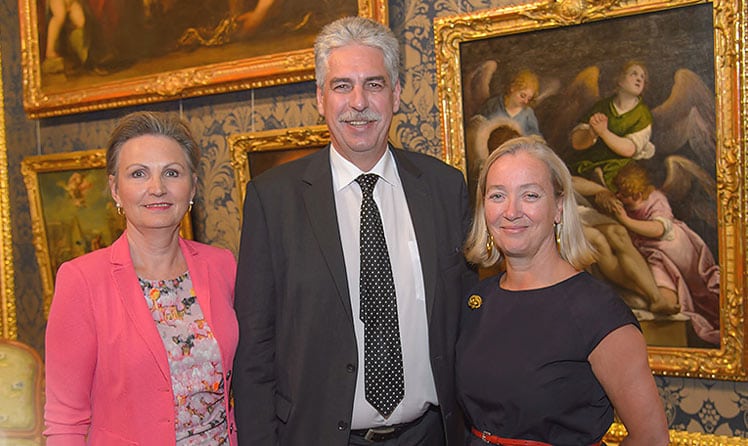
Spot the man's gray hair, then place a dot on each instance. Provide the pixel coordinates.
(356, 31)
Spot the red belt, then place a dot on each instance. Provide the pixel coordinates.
(501, 441)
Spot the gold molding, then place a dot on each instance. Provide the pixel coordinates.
(8, 322)
(296, 65)
(728, 361)
(617, 433)
(296, 138)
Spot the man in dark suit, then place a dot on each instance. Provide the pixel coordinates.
(304, 370)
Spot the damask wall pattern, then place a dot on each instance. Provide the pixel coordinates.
(695, 405)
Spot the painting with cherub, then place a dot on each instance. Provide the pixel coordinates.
(629, 104)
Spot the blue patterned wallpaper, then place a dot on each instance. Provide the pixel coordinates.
(694, 405)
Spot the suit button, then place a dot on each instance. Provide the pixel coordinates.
(350, 368)
(228, 374)
(342, 425)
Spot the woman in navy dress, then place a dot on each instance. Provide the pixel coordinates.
(546, 351)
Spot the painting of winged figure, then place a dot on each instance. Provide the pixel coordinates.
(629, 105)
(78, 213)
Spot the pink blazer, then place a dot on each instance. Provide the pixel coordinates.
(108, 380)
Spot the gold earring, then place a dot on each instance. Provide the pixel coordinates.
(190, 208)
(557, 232)
(120, 211)
(489, 245)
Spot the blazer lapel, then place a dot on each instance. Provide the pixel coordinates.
(418, 196)
(131, 297)
(200, 279)
(319, 200)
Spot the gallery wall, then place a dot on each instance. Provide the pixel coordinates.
(695, 405)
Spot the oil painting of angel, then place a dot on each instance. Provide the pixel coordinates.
(78, 217)
(629, 104)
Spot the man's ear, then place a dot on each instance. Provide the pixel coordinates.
(320, 101)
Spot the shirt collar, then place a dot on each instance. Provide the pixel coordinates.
(345, 172)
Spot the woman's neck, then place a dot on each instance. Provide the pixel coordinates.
(156, 254)
(529, 275)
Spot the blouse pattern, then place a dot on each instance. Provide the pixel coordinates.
(194, 361)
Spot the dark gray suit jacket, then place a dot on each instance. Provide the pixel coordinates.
(295, 367)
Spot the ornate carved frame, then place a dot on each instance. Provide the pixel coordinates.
(31, 168)
(288, 140)
(8, 327)
(727, 362)
(234, 75)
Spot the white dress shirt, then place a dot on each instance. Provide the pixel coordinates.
(420, 390)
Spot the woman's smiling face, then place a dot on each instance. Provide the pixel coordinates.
(521, 206)
(153, 183)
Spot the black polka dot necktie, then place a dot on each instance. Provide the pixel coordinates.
(383, 359)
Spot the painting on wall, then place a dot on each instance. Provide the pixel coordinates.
(83, 55)
(72, 212)
(666, 86)
(254, 153)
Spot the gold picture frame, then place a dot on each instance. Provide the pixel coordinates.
(253, 153)
(71, 210)
(8, 320)
(617, 433)
(455, 37)
(103, 57)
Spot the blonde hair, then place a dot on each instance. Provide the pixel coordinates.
(523, 79)
(574, 247)
(633, 181)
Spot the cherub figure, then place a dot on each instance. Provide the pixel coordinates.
(64, 12)
(683, 266)
(76, 188)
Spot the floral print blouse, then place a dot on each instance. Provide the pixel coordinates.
(194, 361)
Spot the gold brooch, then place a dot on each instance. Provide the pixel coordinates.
(475, 302)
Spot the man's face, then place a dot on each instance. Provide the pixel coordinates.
(358, 100)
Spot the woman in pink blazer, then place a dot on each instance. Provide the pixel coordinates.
(141, 335)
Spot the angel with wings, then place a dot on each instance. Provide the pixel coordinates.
(682, 264)
(495, 118)
(597, 137)
(621, 129)
(76, 188)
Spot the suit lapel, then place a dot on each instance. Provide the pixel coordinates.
(418, 196)
(319, 201)
(131, 297)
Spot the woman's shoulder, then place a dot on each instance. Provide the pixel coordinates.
(590, 297)
(102, 257)
(584, 285)
(95, 258)
(209, 251)
(487, 283)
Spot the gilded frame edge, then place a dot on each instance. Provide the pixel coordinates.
(727, 362)
(617, 433)
(243, 74)
(31, 167)
(241, 145)
(8, 321)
